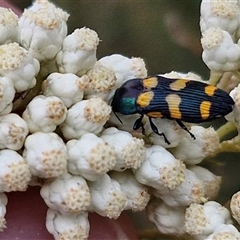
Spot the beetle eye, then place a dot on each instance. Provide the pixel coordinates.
(121, 91)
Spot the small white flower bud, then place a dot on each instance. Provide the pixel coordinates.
(18, 64)
(68, 87)
(7, 93)
(13, 131)
(108, 200)
(160, 169)
(90, 156)
(220, 53)
(194, 151)
(8, 26)
(78, 53)
(14, 171)
(130, 150)
(234, 116)
(67, 194)
(191, 190)
(44, 113)
(74, 226)
(223, 14)
(224, 231)
(126, 67)
(102, 81)
(41, 33)
(84, 117)
(136, 193)
(39, 4)
(168, 220)
(211, 182)
(202, 220)
(235, 206)
(46, 154)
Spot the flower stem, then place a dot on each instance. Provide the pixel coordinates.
(225, 130)
(214, 78)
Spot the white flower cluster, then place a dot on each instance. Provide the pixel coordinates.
(220, 25)
(65, 134)
(55, 97)
(189, 207)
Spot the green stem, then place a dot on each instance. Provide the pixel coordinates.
(214, 78)
(225, 129)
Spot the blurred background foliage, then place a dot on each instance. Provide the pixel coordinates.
(163, 32)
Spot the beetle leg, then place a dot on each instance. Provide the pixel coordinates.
(143, 129)
(118, 118)
(139, 124)
(155, 130)
(185, 128)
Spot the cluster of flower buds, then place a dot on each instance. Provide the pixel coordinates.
(57, 128)
(55, 97)
(219, 24)
(220, 28)
(195, 212)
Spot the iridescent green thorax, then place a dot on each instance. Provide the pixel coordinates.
(127, 106)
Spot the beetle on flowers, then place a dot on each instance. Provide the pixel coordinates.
(177, 99)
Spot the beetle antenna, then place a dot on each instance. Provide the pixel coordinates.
(118, 117)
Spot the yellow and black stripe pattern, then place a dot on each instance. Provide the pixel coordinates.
(186, 100)
(177, 99)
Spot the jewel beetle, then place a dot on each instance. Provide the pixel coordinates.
(176, 99)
